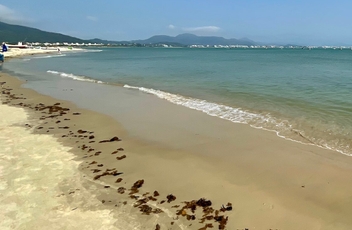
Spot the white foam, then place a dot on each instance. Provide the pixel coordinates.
(91, 51)
(239, 115)
(49, 56)
(236, 115)
(74, 77)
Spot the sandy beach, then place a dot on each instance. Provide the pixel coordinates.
(182, 170)
(17, 52)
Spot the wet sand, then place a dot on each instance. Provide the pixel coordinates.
(270, 182)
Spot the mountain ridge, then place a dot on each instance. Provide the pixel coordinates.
(15, 33)
(191, 39)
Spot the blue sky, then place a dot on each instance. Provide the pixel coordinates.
(309, 22)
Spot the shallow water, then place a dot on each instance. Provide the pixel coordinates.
(303, 95)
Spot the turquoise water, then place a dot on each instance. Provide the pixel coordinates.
(302, 95)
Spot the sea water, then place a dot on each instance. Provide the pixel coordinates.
(302, 95)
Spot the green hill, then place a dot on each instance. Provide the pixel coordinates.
(191, 39)
(14, 33)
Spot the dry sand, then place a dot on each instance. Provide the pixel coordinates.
(272, 183)
(16, 52)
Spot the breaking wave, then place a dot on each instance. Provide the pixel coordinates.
(74, 77)
(49, 56)
(266, 121)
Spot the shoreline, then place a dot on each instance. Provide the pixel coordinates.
(261, 199)
(17, 52)
(65, 132)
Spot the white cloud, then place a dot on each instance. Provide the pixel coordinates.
(92, 18)
(171, 27)
(10, 16)
(208, 29)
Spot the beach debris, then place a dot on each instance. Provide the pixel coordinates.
(120, 149)
(203, 202)
(118, 180)
(121, 190)
(91, 137)
(107, 172)
(110, 140)
(222, 221)
(152, 198)
(207, 212)
(156, 193)
(157, 227)
(170, 198)
(206, 218)
(227, 208)
(76, 113)
(114, 152)
(121, 157)
(93, 162)
(136, 186)
(83, 147)
(81, 131)
(140, 202)
(210, 225)
(52, 108)
(145, 209)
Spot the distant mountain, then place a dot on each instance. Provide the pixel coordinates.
(101, 41)
(14, 33)
(191, 39)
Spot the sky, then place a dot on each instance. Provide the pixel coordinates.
(301, 22)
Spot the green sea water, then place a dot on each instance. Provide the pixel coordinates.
(302, 95)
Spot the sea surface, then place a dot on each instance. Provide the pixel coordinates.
(302, 95)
